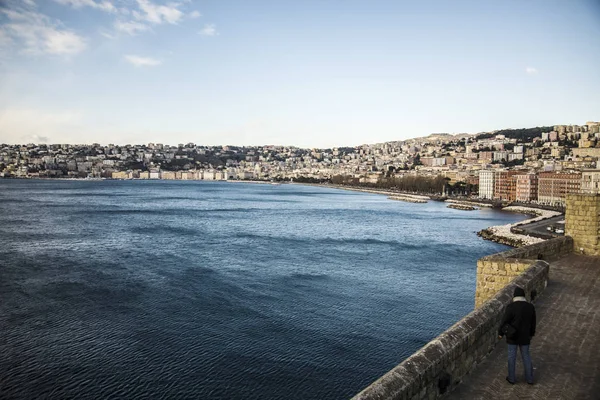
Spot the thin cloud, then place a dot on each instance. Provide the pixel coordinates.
(158, 14)
(195, 14)
(139, 61)
(131, 27)
(104, 5)
(531, 70)
(63, 42)
(35, 33)
(107, 34)
(209, 30)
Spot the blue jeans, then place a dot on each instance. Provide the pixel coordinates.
(512, 358)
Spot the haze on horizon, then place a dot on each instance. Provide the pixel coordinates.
(304, 73)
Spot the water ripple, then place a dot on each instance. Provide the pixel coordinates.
(178, 290)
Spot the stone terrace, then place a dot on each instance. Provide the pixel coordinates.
(566, 348)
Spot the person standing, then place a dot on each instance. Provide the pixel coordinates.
(518, 324)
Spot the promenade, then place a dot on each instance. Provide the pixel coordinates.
(566, 348)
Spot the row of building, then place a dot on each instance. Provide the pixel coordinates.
(191, 175)
(549, 187)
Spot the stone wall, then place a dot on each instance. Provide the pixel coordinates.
(440, 365)
(583, 222)
(495, 271)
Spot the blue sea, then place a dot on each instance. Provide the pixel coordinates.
(199, 290)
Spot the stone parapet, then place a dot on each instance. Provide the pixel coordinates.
(439, 366)
(495, 271)
(582, 222)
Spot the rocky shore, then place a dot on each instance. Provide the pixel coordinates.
(502, 233)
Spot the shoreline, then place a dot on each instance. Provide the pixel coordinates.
(501, 234)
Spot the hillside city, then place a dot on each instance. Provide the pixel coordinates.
(536, 165)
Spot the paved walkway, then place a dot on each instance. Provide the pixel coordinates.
(566, 348)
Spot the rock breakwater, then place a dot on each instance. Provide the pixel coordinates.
(502, 233)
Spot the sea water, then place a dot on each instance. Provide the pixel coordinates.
(175, 289)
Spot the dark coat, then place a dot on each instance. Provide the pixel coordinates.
(521, 315)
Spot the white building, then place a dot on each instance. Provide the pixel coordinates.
(486, 184)
(500, 155)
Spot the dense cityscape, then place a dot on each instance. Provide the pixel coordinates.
(539, 165)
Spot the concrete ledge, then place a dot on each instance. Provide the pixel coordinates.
(439, 366)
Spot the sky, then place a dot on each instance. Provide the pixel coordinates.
(305, 73)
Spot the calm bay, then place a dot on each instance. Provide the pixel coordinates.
(217, 290)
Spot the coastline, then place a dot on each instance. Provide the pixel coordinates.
(499, 233)
(502, 234)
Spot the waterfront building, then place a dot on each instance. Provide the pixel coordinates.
(167, 175)
(486, 184)
(527, 187)
(553, 187)
(505, 185)
(121, 175)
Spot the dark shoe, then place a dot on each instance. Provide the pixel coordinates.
(508, 380)
(529, 383)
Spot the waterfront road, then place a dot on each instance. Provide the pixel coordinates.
(566, 348)
(541, 226)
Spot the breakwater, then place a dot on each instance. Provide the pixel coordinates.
(407, 198)
(463, 207)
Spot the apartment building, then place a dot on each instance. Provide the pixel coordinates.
(526, 187)
(505, 185)
(553, 187)
(486, 184)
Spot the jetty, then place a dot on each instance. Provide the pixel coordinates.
(407, 198)
(464, 207)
